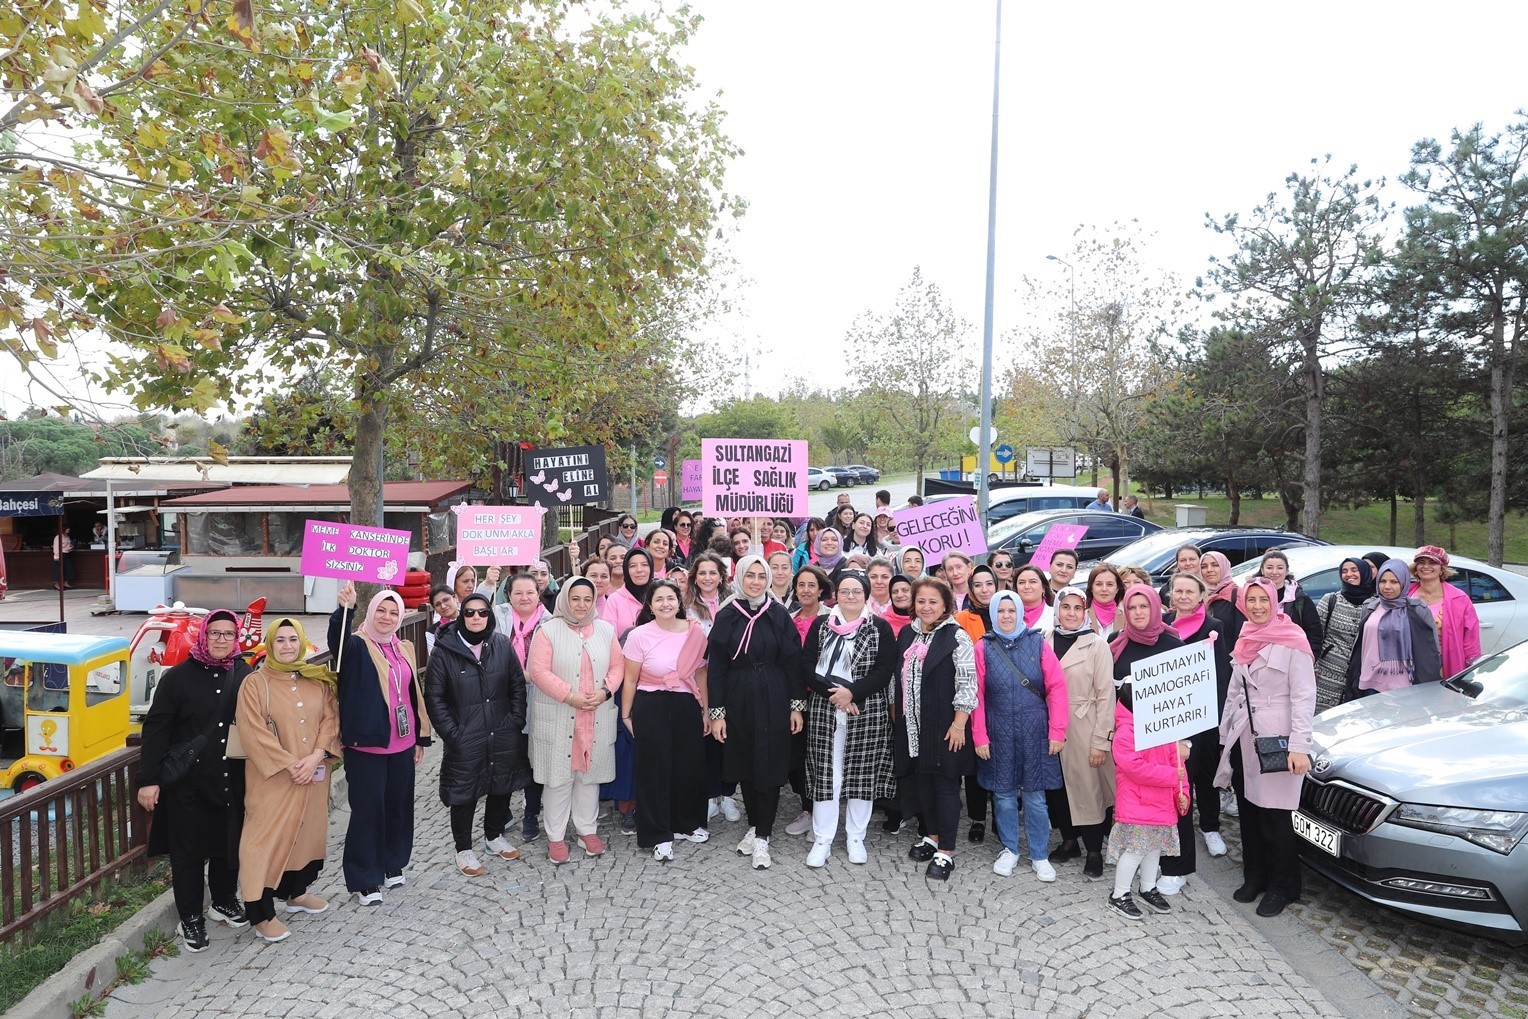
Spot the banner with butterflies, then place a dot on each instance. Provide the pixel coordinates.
(573, 475)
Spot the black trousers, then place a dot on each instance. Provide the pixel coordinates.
(939, 803)
(495, 817)
(1187, 859)
(976, 800)
(1270, 855)
(714, 785)
(293, 884)
(380, 838)
(671, 765)
(198, 862)
(1060, 810)
(532, 791)
(798, 769)
(1203, 759)
(763, 805)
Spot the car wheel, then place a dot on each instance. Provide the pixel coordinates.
(992, 479)
(27, 780)
(824, 486)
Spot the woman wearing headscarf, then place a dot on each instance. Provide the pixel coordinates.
(197, 819)
(627, 600)
(1341, 612)
(934, 693)
(1019, 727)
(288, 723)
(1220, 594)
(462, 580)
(846, 665)
(827, 554)
(910, 562)
(1297, 605)
(576, 667)
(384, 730)
(1080, 807)
(1397, 643)
(901, 611)
(1105, 588)
(1452, 611)
(1273, 693)
(474, 692)
(1144, 633)
(756, 699)
(1190, 620)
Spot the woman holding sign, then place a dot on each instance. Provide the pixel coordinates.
(756, 698)
(1266, 733)
(384, 730)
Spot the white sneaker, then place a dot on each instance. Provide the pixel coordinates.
(697, 836)
(857, 852)
(468, 863)
(729, 809)
(1044, 871)
(801, 825)
(1170, 885)
(712, 809)
(369, 897)
(761, 860)
(1214, 843)
(1006, 861)
(501, 848)
(818, 857)
(745, 847)
(1228, 805)
(663, 852)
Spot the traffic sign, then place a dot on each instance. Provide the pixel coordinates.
(1003, 453)
(659, 463)
(660, 477)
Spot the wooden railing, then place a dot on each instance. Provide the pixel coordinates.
(596, 523)
(67, 835)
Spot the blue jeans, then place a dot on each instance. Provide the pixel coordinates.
(1005, 814)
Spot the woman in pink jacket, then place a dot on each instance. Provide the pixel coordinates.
(1452, 610)
(1272, 694)
(1150, 792)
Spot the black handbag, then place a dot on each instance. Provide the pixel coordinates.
(1272, 753)
(178, 761)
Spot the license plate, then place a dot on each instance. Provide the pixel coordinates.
(1328, 840)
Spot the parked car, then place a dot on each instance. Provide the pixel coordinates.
(1158, 553)
(842, 476)
(1417, 799)
(1003, 503)
(820, 479)
(865, 475)
(1500, 596)
(1022, 534)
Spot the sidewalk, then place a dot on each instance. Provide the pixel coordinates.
(622, 935)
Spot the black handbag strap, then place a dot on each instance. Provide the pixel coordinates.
(1022, 678)
(1326, 625)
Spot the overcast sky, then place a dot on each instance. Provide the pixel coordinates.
(866, 129)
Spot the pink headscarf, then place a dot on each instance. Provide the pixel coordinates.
(370, 632)
(202, 652)
(1279, 629)
(1226, 589)
(1147, 634)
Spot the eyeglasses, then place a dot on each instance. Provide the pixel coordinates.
(476, 613)
(222, 634)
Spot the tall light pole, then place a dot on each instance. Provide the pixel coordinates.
(1072, 283)
(984, 446)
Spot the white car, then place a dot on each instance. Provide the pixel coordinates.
(1500, 596)
(819, 479)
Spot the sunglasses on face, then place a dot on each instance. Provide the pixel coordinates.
(628, 527)
(683, 525)
(478, 613)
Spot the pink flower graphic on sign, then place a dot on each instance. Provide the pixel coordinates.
(387, 571)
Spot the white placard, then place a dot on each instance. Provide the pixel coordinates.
(1174, 695)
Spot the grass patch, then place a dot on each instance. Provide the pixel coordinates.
(1366, 525)
(34, 955)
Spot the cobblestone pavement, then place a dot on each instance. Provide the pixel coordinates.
(624, 936)
(1428, 970)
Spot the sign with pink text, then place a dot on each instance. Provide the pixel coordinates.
(1060, 536)
(498, 535)
(949, 525)
(689, 481)
(753, 477)
(368, 555)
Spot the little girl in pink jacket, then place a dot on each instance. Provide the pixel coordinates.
(1151, 789)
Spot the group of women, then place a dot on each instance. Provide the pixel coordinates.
(669, 674)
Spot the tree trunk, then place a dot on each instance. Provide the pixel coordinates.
(1233, 493)
(1315, 384)
(366, 468)
(1418, 505)
(1395, 508)
(1501, 407)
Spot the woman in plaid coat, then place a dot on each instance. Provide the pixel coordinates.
(846, 665)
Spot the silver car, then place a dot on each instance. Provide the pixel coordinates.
(1418, 798)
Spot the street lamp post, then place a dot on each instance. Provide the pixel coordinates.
(984, 446)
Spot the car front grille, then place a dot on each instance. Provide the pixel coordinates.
(1343, 806)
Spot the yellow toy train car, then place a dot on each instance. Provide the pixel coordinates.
(70, 695)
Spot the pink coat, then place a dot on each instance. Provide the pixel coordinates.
(1280, 688)
(1458, 630)
(1146, 782)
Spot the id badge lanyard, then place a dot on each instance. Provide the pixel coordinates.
(399, 687)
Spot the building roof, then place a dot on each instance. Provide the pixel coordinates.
(398, 496)
(239, 470)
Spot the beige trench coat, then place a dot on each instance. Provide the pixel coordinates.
(1089, 669)
(285, 825)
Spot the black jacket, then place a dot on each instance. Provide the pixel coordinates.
(477, 707)
(1303, 611)
(365, 720)
(936, 711)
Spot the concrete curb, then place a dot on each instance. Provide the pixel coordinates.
(95, 967)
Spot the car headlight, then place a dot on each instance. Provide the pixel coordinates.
(1497, 830)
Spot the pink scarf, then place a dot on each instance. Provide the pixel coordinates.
(1189, 625)
(1147, 634)
(1105, 612)
(1033, 612)
(837, 625)
(747, 638)
(1226, 589)
(1279, 629)
(521, 631)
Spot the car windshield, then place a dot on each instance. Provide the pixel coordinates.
(1017, 525)
(1500, 679)
(1152, 551)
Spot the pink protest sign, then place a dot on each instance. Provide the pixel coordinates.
(949, 525)
(689, 481)
(1058, 537)
(753, 477)
(498, 535)
(371, 555)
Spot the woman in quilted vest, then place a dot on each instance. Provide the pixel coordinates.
(575, 668)
(1018, 727)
